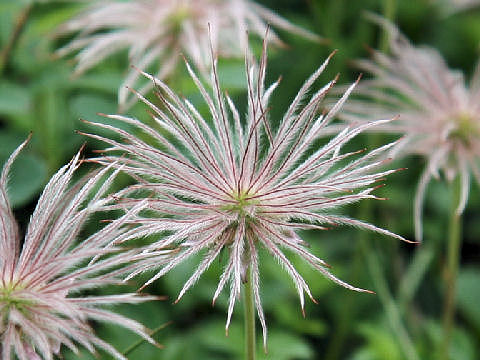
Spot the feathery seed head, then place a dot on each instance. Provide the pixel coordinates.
(439, 113)
(465, 130)
(155, 31)
(223, 182)
(242, 205)
(41, 277)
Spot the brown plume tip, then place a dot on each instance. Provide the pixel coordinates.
(142, 288)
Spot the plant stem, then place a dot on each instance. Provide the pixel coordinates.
(20, 23)
(388, 303)
(344, 321)
(141, 341)
(249, 318)
(414, 274)
(389, 10)
(453, 252)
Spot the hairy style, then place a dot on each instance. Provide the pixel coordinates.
(218, 181)
(42, 276)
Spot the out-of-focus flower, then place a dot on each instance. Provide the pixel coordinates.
(439, 113)
(41, 308)
(155, 31)
(223, 183)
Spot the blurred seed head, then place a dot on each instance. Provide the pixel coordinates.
(156, 31)
(439, 112)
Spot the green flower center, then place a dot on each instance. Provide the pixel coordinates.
(176, 19)
(466, 129)
(243, 201)
(8, 298)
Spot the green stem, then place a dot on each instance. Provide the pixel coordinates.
(389, 10)
(20, 23)
(141, 341)
(414, 274)
(453, 254)
(388, 303)
(249, 318)
(345, 319)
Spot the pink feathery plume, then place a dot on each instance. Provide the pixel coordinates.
(156, 31)
(220, 182)
(43, 274)
(439, 113)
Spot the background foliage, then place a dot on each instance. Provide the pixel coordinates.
(403, 321)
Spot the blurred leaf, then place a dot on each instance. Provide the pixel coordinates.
(381, 344)
(101, 81)
(282, 345)
(83, 354)
(462, 346)
(293, 320)
(49, 20)
(28, 173)
(87, 107)
(184, 346)
(232, 75)
(468, 293)
(14, 99)
(363, 354)
(286, 346)
(213, 336)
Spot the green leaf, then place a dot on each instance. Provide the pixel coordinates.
(27, 174)
(381, 343)
(462, 345)
(293, 320)
(282, 345)
(232, 75)
(468, 293)
(87, 107)
(14, 99)
(285, 346)
(101, 81)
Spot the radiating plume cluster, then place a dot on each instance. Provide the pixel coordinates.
(43, 275)
(439, 113)
(217, 181)
(156, 31)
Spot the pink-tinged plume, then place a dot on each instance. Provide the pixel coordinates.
(42, 276)
(439, 113)
(221, 182)
(156, 31)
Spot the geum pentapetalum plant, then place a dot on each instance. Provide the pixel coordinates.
(439, 112)
(218, 181)
(44, 275)
(155, 31)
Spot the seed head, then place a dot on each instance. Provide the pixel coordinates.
(41, 277)
(220, 182)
